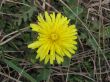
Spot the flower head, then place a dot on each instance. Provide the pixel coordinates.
(56, 38)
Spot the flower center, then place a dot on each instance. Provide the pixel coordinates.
(54, 36)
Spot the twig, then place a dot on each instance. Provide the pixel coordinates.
(23, 29)
(10, 77)
(18, 3)
(12, 51)
(14, 15)
(14, 36)
(68, 71)
(74, 73)
(51, 7)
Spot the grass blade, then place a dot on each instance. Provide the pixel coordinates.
(19, 70)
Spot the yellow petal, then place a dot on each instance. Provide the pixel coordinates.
(67, 53)
(47, 59)
(74, 47)
(74, 33)
(35, 27)
(39, 52)
(64, 20)
(34, 45)
(59, 59)
(58, 17)
(40, 18)
(57, 20)
(59, 50)
(37, 56)
(52, 52)
(44, 52)
(53, 17)
(51, 59)
(47, 17)
(71, 50)
(74, 42)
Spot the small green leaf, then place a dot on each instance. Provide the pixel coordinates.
(66, 61)
(83, 36)
(77, 11)
(25, 17)
(92, 43)
(44, 73)
(72, 1)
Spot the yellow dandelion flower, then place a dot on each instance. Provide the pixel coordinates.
(56, 38)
